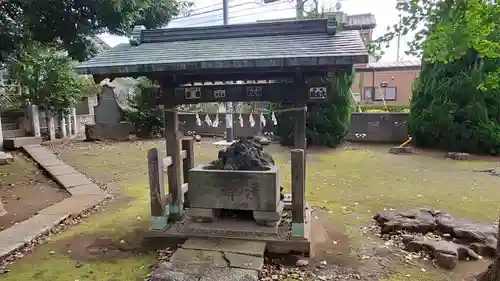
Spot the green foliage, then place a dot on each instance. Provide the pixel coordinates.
(380, 108)
(71, 24)
(326, 124)
(88, 87)
(449, 111)
(469, 25)
(146, 116)
(48, 76)
(455, 104)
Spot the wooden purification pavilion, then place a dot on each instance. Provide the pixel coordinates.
(295, 58)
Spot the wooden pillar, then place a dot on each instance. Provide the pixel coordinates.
(159, 212)
(187, 163)
(300, 116)
(299, 160)
(172, 138)
(1, 136)
(298, 192)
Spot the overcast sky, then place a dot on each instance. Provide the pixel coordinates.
(209, 12)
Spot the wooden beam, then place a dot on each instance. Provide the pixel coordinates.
(187, 162)
(167, 161)
(317, 92)
(174, 170)
(159, 212)
(168, 197)
(298, 192)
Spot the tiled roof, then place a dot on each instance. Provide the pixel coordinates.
(363, 21)
(393, 64)
(278, 44)
(350, 22)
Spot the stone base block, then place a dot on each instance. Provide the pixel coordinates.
(269, 218)
(15, 143)
(457, 155)
(203, 215)
(5, 158)
(232, 228)
(401, 150)
(119, 132)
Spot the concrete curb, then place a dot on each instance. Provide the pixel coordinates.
(84, 195)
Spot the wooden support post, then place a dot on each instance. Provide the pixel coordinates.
(159, 212)
(1, 140)
(172, 138)
(298, 192)
(299, 136)
(187, 162)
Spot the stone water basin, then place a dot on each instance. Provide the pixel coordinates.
(234, 189)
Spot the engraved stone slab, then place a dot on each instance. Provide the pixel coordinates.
(232, 228)
(235, 190)
(108, 111)
(244, 261)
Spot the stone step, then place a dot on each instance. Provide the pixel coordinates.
(14, 133)
(9, 126)
(18, 142)
(213, 260)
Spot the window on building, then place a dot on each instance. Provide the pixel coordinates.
(375, 94)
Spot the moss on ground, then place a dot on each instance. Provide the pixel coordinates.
(353, 184)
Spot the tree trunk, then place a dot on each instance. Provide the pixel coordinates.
(493, 271)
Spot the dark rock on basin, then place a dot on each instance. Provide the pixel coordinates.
(246, 155)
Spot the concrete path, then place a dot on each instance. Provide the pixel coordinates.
(85, 195)
(203, 259)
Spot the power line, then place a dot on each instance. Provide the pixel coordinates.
(268, 6)
(238, 16)
(217, 18)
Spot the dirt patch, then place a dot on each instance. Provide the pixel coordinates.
(330, 243)
(25, 190)
(105, 247)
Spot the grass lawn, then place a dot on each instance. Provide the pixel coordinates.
(352, 184)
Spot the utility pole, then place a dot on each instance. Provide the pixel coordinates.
(399, 39)
(228, 105)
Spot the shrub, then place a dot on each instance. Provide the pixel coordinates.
(146, 116)
(326, 124)
(449, 109)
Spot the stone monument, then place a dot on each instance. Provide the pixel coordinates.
(109, 116)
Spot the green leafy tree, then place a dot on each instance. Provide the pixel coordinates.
(145, 114)
(456, 100)
(71, 24)
(326, 124)
(48, 77)
(88, 87)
